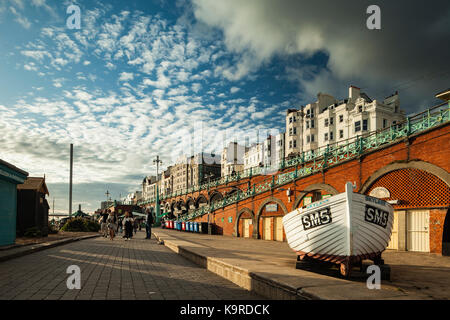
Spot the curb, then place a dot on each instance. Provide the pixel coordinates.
(30, 248)
(250, 281)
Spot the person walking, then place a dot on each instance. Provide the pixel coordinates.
(148, 223)
(135, 225)
(120, 225)
(128, 225)
(104, 224)
(111, 224)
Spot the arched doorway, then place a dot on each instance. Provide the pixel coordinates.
(268, 222)
(313, 193)
(420, 196)
(244, 223)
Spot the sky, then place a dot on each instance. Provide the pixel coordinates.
(147, 78)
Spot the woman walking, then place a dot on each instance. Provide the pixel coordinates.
(128, 225)
(111, 221)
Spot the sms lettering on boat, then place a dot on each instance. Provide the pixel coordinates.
(343, 229)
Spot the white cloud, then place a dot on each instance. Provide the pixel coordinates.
(234, 89)
(126, 76)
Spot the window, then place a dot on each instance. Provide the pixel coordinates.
(290, 144)
(357, 126)
(360, 108)
(308, 139)
(290, 131)
(295, 130)
(365, 125)
(331, 120)
(341, 134)
(341, 118)
(331, 135)
(307, 124)
(326, 137)
(326, 122)
(384, 123)
(312, 123)
(312, 138)
(295, 143)
(290, 119)
(294, 119)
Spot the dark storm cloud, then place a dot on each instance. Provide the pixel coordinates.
(410, 52)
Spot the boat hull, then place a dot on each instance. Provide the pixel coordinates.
(343, 229)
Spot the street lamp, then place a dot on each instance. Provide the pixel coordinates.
(157, 161)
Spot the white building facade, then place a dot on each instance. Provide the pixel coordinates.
(254, 157)
(232, 159)
(330, 122)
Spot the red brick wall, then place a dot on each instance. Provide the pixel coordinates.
(431, 147)
(437, 218)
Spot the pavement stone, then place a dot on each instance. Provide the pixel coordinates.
(268, 268)
(127, 270)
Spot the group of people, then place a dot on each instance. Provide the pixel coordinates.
(110, 224)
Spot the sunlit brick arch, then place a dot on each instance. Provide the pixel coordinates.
(238, 218)
(189, 202)
(200, 199)
(180, 203)
(421, 165)
(231, 191)
(256, 231)
(313, 187)
(215, 195)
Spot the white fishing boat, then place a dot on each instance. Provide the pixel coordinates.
(343, 229)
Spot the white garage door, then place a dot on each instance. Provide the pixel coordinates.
(393, 244)
(418, 238)
(278, 228)
(267, 228)
(247, 227)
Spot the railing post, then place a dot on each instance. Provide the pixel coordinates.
(428, 116)
(325, 157)
(254, 188)
(408, 126)
(250, 172)
(296, 171)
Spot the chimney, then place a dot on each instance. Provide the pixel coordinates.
(354, 92)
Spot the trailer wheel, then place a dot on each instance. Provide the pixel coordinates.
(345, 269)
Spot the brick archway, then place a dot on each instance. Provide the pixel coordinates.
(238, 218)
(313, 187)
(214, 196)
(421, 165)
(446, 235)
(200, 197)
(189, 201)
(256, 230)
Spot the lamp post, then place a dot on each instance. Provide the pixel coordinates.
(157, 161)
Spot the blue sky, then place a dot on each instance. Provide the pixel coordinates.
(142, 78)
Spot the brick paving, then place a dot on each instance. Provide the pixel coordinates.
(138, 269)
(414, 275)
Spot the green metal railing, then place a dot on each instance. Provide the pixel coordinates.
(319, 159)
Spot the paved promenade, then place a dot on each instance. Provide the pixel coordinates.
(129, 270)
(268, 268)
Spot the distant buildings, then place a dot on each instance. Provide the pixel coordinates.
(232, 159)
(327, 121)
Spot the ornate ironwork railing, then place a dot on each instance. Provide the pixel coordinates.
(316, 160)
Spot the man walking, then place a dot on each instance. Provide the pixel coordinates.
(148, 223)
